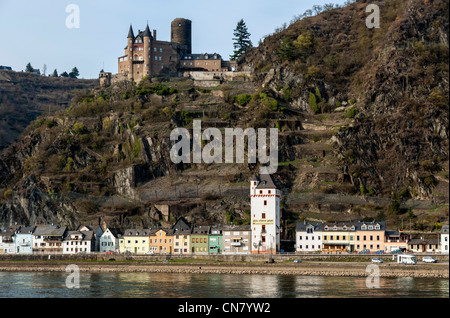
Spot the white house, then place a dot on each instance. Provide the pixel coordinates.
(444, 239)
(265, 215)
(7, 245)
(109, 241)
(308, 237)
(78, 242)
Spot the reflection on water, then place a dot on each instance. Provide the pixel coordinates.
(154, 285)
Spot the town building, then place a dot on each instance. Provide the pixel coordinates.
(7, 236)
(199, 239)
(265, 215)
(395, 240)
(76, 242)
(48, 239)
(339, 237)
(370, 236)
(135, 241)
(237, 239)
(425, 244)
(308, 237)
(97, 233)
(109, 240)
(444, 239)
(24, 240)
(161, 241)
(182, 231)
(215, 239)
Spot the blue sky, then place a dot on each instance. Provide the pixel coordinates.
(35, 30)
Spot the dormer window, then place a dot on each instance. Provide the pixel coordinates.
(363, 227)
(370, 227)
(377, 227)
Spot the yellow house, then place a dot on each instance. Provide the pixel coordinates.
(135, 241)
(161, 241)
(339, 237)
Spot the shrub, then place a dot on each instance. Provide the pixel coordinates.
(243, 99)
(79, 128)
(351, 113)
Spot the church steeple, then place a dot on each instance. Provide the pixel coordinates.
(131, 33)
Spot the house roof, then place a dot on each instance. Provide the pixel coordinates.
(203, 56)
(266, 182)
(139, 232)
(147, 32)
(236, 228)
(201, 230)
(26, 230)
(382, 225)
(424, 241)
(301, 227)
(50, 230)
(114, 231)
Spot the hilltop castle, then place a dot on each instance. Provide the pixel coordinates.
(145, 55)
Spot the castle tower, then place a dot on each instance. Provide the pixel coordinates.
(265, 215)
(147, 51)
(130, 52)
(182, 33)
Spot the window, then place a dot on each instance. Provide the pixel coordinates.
(265, 202)
(263, 216)
(160, 50)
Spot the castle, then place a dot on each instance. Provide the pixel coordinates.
(145, 55)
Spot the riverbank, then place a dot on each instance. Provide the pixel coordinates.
(339, 269)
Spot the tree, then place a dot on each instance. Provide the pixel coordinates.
(75, 73)
(55, 73)
(286, 50)
(64, 74)
(29, 68)
(241, 40)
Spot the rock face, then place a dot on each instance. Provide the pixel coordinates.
(397, 84)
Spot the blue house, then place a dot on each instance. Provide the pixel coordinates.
(24, 240)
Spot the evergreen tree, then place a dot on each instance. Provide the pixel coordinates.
(55, 73)
(64, 74)
(75, 73)
(29, 68)
(241, 40)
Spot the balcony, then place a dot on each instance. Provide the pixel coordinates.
(236, 243)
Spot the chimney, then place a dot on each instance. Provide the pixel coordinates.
(154, 35)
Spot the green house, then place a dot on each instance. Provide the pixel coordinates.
(200, 239)
(215, 241)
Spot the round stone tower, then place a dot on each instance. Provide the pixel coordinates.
(182, 33)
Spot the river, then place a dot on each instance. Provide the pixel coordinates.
(174, 285)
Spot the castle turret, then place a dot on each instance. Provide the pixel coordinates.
(130, 52)
(147, 51)
(182, 33)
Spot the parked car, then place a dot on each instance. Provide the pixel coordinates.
(428, 259)
(364, 252)
(377, 260)
(379, 252)
(297, 261)
(396, 251)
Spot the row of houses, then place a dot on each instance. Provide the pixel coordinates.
(182, 238)
(360, 237)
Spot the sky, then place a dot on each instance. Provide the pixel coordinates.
(36, 31)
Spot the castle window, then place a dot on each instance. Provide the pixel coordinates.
(160, 50)
(160, 58)
(156, 58)
(154, 49)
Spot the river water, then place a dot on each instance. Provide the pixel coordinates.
(174, 285)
